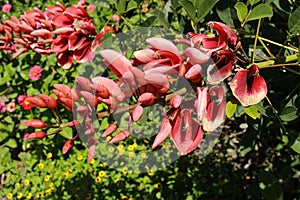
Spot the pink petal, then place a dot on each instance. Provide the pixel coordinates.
(62, 21)
(196, 56)
(59, 45)
(163, 44)
(116, 62)
(64, 59)
(76, 39)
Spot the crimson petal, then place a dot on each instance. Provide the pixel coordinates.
(248, 86)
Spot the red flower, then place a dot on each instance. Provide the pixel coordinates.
(248, 86)
(26, 105)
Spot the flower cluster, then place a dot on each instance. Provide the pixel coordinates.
(149, 79)
(68, 32)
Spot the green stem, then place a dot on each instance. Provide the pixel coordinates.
(278, 44)
(255, 41)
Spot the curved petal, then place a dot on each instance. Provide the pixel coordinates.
(163, 44)
(248, 86)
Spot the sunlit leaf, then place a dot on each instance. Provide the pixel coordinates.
(251, 111)
(289, 113)
(230, 109)
(189, 8)
(260, 11)
(241, 10)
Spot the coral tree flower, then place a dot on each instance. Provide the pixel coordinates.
(248, 86)
(35, 73)
(6, 7)
(26, 105)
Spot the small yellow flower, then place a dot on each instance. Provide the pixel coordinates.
(92, 161)
(29, 195)
(108, 138)
(47, 178)
(41, 165)
(39, 195)
(49, 155)
(79, 157)
(48, 191)
(9, 196)
(53, 163)
(20, 195)
(101, 164)
(131, 147)
(120, 147)
(111, 149)
(66, 174)
(124, 197)
(122, 163)
(158, 185)
(101, 173)
(26, 182)
(125, 170)
(98, 179)
(135, 145)
(150, 173)
(117, 180)
(131, 154)
(143, 155)
(18, 185)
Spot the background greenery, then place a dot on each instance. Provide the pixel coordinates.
(256, 157)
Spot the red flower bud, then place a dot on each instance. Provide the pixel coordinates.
(111, 128)
(146, 99)
(37, 102)
(50, 101)
(67, 146)
(176, 101)
(35, 123)
(37, 135)
(137, 113)
(120, 136)
(73, 123)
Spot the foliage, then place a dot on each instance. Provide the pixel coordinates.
(256, 156)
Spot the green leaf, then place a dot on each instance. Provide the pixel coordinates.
(11, 143)
(204, 7)
(230, 109)
(67, 133)
(296, 145)
(294, 22)
(224, 10)
(241, 10)
(252, 2)
(251, 111)
(189, 8)
(260, 11)
(131, 5)
(269, 186)
(121, 7)
(289, 113)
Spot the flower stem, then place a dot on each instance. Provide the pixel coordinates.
(255, 41)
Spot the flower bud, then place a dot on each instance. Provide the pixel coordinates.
(137, 113)
(111, 128)
(37, 135)
(120, 136)
(35, 123)
(50, 101)
(67, 146)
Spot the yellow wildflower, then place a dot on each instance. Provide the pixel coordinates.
(131, 147)
(29, 195)
(49, 155)
(47, 178)
(41, 165)
(101, 173)
(98, 179)
(9, 196)
(79, 157)
(26, 182)
(131, 154)
(20, 195)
